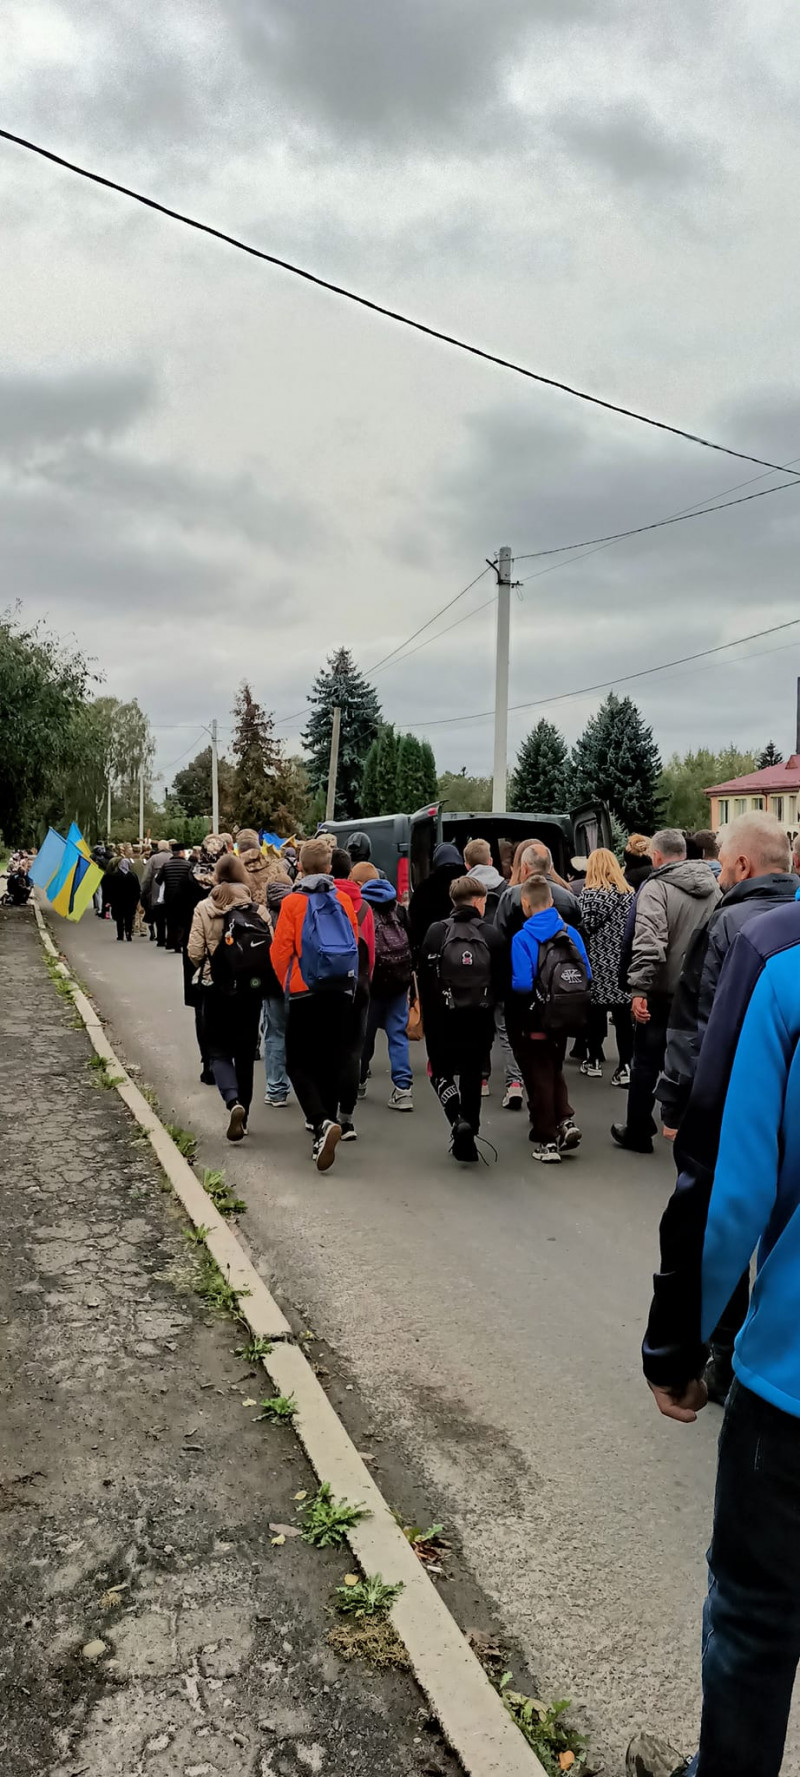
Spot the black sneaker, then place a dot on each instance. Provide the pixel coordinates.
(624, 1139)
(718, 1376)
(621, 1077)
(348, 1130)
(462, 1144)
(207, 1078)
(238, 1122)
(326, 1144)
(647, 1756)
(569, 1136)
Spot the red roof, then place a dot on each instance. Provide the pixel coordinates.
(770, 782)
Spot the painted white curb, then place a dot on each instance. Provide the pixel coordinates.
(471, 1714)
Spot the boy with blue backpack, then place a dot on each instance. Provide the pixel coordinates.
(549, 1002)
(315, 956)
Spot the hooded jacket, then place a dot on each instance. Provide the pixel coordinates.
(702, 967)
(670, 906)
(526, 943)
(366, 926)
(636, 867)
(287, 944)
(437, 1016)
(207, 922)
(156, 862)
(258, 870)
(431, 900)
(494, 885)
(510, 915)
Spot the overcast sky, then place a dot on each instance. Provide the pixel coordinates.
(209, 469)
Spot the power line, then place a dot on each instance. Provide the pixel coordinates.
(658, 524)
(378, 308)
(182, 755)
(608, 684)
(372, 670)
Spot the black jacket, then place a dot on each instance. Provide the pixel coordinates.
(434, 1011)
(176, 876)
(431, 901)
(636, 867)
(694, 995)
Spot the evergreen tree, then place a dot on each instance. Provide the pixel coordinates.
(192, 788)
(258, 761)
(617, 761)
(369, 783)
(410, 775)
(430, 780)
(386, 770)
(770, 756)
(341, 683)
(539, 781)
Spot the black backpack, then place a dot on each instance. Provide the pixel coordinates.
(392, 974)
(562, 988)
(240, 963)
(465, 966)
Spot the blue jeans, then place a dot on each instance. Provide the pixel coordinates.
(391, 1016)
(751, 1620)
(274, 1029)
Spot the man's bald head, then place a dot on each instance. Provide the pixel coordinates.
(753, 845)
(537, 860)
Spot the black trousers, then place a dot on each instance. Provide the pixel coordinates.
(649, 1046)
(458, 1044)
(176, 922)
(159, 918)
(597, 1031)
(316, 1031)
(125, 923)
(230, 1032)
(355, 1038)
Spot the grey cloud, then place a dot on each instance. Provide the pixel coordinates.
(52, 409)
(629, 143)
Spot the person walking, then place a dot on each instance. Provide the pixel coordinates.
(430, 901)
(391, 980)
(124, 899)
(460, 979)
(755, 875)
(315, 958)
(675, 900)
(231, 1005)
(604, 903)
(738, 1189)
(174, 877)
(273, 1022)
(150, 892)
(248, 847)
(637, 863)
(355, 1034)
(478, 859)
(550, 998)
(200, 883)
(138, 866)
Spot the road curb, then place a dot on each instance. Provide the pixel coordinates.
(470, 1713)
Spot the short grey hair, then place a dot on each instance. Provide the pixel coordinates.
(760, 837)
(670, 843)
(537, 857)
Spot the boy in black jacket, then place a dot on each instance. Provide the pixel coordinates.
(460, 981)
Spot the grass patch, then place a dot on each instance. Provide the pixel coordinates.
(215, 1187)
(102, 1077)
(373, 1639)
(215, 1289)
(557, 1746)
(150, 1096)
(63, 985)
(327, 1520)
(185, 1142)
(279, 1406)
(371, 1597)
(254, 1350)
(196, 1236)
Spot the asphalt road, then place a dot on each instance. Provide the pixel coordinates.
(492, 1320)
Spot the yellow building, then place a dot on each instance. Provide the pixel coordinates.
(776, 789)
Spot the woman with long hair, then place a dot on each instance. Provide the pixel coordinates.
(228, 1022)
(605, 901)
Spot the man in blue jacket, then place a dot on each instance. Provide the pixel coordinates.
(738, 1154)
(540, 1052)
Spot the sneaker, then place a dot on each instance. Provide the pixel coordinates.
(348, 1130)
(362, 1090)
(462, 1143)
(548, 1152)
(326, 1144)
(485, 1089)
(718, 1376)
(402, 1099)
(238, 1122)
(621, 1077)
(647, 1756)
(623, 1139)
(514, 1097)
(569, 1136)
(591, 1070)
(309, 1127)
(276, 1104)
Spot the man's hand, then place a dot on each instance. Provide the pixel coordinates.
(639, 1009)
(681, 1403)
(668, 1134)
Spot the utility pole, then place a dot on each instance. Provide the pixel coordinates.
(141, 804)
(108, 811)
(501, 682)
(214, 779)
(334, 764)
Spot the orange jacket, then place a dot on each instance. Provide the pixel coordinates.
(287, 944)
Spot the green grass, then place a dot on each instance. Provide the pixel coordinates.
(63, 985)
(279, 1406)
(150, 1096)
(196, 1236)
(215, 1289)
(215, 1187)
(185, 1142)
(544, 1728)
(102, 1077)
(371, 1597)
(327, 1520)
(254, 1350)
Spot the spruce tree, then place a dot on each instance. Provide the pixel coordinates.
(430, 778)
(386, 770)
(258, 761)
(770, 756)
(341, 683)
(539, 781)
(617, 761)
(410, 775)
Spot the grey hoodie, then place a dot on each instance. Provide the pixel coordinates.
(671, 905)
(489, 878)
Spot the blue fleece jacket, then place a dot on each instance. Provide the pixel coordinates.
(738, 1155)
(378, 892)
(525, 947)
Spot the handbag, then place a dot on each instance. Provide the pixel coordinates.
(414, 1030)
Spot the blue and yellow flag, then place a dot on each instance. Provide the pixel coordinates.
(63, 868)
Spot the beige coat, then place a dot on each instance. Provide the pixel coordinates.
(207, 921)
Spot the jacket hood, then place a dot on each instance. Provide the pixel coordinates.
(229, 894)
(691, 875)
(347, 886)
(779, 885)
(314, 885)
(446, 855)
(488, 877)
(378, 892)
(255, 863)
(277, 890)
(545, 924)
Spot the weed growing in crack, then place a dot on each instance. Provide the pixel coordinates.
(280, 1406)
(102, 1077)
(557, 1746)
(371, 1597)
(150, 1096)
(253, 1350)
(327, 1520)
(215, 1187)
(185, 1142)
(196, 1236)
(214, 1288)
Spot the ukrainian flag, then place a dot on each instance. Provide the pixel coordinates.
(65, 871)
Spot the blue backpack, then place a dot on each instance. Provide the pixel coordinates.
(329, 956)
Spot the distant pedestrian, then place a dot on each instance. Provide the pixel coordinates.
(174, 877)
(199, 885)
(478, 859)
(355, 1035)
(550, 996)
(637, 861)
(431, 898)
(138, 867)
(248, 846)
(276, 1005)
(391, 980)
(315, 956)
(231, 1000)
(706, 843)
(460, 981)
(605, 900)
(124, 899)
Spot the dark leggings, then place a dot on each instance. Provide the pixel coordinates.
(125, 923)
(597, 1031)
(230, 1033)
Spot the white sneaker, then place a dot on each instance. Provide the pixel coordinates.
(402, 1099)
(514, 1096)
(569, 1137)
(592, 1070)
(326, 1145)
(485, 1089)
(547, 1152)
